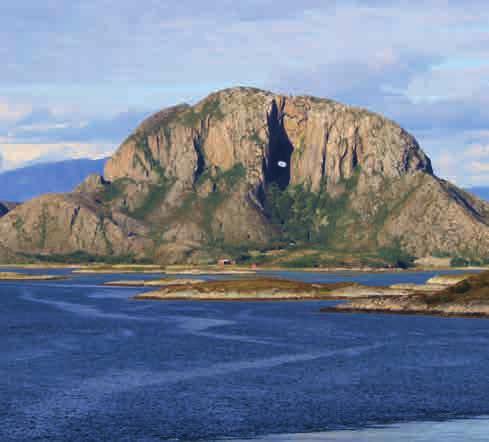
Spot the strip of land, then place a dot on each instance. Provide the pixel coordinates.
(211, 271)
(281, 289)
(13, 276)
(174, 270)
(266, 289)
(153, 282)
(122, 269)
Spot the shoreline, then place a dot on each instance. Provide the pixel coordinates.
(142, 297)
(414, 312)
(12, 276)
(464, 296)
(276, 289)
(223, 270)
(246, 289)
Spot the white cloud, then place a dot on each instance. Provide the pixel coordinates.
(11, 112)
(420, 63)
(477, 167)
(478, 151)
(25, 129)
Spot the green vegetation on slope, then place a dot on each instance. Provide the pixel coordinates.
(210, 109)
(396, 256)
(460, 261)
(475, 288)
(115, 189)
(143, 147)
(223, 180)
(43, 228)
(319, 221)
(81, 257)
(153, 199)
(309, 217)
(202, 208)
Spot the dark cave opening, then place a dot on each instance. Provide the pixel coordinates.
(279, 150)
(200, 159)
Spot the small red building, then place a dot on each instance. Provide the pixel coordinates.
(225, 262)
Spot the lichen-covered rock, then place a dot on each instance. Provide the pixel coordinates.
(92, 184)
(65, 224)
(193, 179)
(321, 139)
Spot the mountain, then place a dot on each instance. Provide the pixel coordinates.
(28, 182)
(480, 192)
(245, 172)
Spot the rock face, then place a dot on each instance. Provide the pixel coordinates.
(191, 180)
(65, 224)
(467, 297)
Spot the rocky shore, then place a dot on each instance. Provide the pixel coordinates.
(359, 296)
(265, 289)
(211, 271)
(13, 276)
(154, 282)
(463, 296)
(121, 269)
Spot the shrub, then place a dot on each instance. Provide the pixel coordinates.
(460, 261)
(211, 108)
(154, 197)
(396, 256)
(305, 261)
(81, 257)
(306, 216)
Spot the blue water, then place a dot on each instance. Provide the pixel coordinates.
(81, 362)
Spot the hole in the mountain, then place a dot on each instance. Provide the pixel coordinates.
(279, 151)
(200, 159)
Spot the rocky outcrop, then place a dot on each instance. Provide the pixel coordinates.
(93, 184)
(66, 224)
(191, 180)
(468, 297)
(321, 139)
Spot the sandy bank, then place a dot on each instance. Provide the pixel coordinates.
(12, 276)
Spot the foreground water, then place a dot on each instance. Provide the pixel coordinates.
(83, 362)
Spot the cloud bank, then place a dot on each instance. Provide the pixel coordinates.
(85, 73)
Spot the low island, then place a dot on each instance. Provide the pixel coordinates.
(467, 297)
(14, 276)
(153, 282)
(169, 270)
(360, 297)
(121, 269)
(265, 289)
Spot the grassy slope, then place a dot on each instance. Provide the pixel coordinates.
(474, 288)
(247, 288)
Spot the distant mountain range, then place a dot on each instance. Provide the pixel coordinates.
(29, 182)
(481, 192)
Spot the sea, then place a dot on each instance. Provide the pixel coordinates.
(80, 361)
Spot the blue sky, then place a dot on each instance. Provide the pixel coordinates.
(77, 77)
